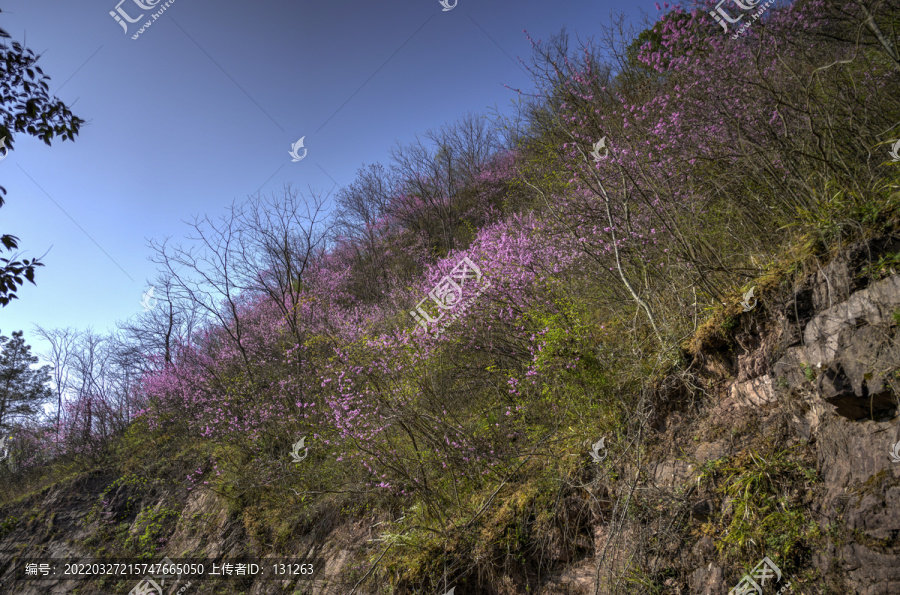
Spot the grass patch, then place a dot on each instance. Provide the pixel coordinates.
(761, 496)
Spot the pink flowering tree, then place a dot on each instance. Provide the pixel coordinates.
(699, 138)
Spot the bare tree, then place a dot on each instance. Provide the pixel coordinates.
(261, 248)
(62, 343)
(362, 224)
(432, 178)
(468, 144)
(280, 240)
(105, 390)
(156, 331)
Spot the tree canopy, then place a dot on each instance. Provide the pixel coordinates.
(22, 390)
(25, 107)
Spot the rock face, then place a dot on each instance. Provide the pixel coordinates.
(853, 344)
(820, 367)
(835, 349)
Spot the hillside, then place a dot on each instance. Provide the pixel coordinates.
(641, 339)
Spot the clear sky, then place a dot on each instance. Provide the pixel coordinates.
(202, 108)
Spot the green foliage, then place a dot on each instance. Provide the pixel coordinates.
(22, 389)
(885, 266)
(99, 510)
(566, 360)
(151, 527)
(120, 529)
(7, 525)
(842, 215)
(729, 324)
(510, 534)
(26, 106)
(809, 372)
(762, 497)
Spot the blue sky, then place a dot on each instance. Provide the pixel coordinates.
(202, 108)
